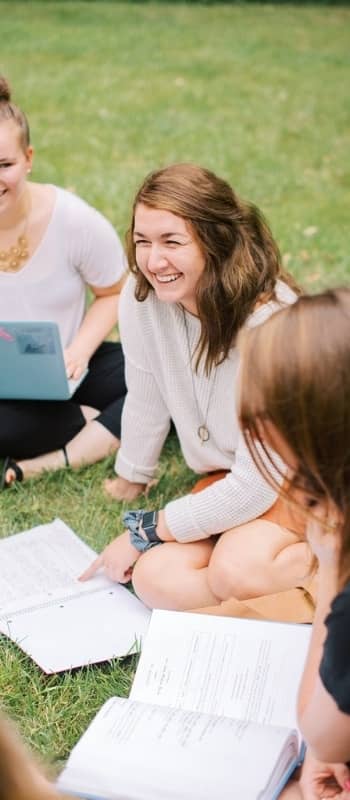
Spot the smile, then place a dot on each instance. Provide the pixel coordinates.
(168, 278)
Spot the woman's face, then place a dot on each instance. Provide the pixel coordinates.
(168, 255)
(15, 163)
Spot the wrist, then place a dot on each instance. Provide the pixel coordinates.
(142, 527)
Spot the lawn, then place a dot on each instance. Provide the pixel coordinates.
(259, 93)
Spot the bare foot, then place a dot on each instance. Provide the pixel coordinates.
(121, 489)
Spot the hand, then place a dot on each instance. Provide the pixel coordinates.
(117, 560)
(319, 780)
(76, 363)
(121, 489)
(323, 533)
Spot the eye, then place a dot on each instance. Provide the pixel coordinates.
(140, 242)
(173, 242)
(5, 164)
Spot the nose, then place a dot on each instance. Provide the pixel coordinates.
(156, 258)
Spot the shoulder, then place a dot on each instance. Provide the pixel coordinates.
(78, 211)
(284, 295)
(335, 663)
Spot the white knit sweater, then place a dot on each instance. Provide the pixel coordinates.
(160, 388)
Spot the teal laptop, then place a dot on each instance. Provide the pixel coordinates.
(32, 364)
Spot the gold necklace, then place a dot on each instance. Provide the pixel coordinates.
(202, 430)
(11, 259)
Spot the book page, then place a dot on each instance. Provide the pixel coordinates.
(42, 565)
(244, 669)
(133, 751)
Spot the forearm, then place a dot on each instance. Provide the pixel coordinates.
(99, 320)
(327, 589)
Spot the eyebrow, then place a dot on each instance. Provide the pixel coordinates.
(163, 235)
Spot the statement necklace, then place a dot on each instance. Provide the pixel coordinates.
(11, 259)
(202, 430)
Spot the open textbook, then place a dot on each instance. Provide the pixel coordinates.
(58, 621)
(211, 715)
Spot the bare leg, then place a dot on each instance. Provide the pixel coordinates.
(259, 558)
(174, 576)
(93, 443)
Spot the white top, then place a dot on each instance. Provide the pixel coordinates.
(79, 247)
(160, 388)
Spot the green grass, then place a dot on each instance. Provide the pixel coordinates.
(259, 93)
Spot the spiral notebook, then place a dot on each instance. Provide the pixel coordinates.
(58, 621)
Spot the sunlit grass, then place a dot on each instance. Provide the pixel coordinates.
(259, 93)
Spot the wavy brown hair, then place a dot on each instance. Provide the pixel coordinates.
(9, 111)
(242, 260)
(295, 377)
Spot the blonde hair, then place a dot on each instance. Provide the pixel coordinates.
(295, 377)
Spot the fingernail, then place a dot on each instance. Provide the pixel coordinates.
(347, 785)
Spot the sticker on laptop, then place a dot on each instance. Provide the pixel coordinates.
(6, 335)
(36, 342)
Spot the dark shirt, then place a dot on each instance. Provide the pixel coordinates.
(335, 663)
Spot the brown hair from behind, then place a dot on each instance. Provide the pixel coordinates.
(20, 776)
(242, 261)
(9, 111)
(295, 376)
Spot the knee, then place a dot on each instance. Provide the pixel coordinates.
(230, 568)
(151, 579)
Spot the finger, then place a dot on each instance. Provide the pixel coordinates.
(92, 569)
(342, 775)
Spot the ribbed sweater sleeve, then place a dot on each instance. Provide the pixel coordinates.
(240, 497)
(145, 418)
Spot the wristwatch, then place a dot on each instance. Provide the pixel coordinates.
(142, 528)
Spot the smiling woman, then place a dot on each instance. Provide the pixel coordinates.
(52, 247)
(204, 264)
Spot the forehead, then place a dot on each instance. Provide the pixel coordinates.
(10, 143)
(158, 221)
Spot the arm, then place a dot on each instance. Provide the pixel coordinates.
(326, 727)
(99, 320)
(240, 497)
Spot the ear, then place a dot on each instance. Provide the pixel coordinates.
(29, 154)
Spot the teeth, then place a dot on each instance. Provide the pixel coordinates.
(167, 278)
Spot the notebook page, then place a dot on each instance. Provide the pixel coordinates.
(42, 565)
(81, 630)
(178, 755)
(244, 669)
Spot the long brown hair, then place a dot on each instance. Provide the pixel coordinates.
(242, 261)
(9, 111)
(295, 377)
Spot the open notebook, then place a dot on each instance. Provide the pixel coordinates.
(211, 715)
(31, 363)
(58, 621)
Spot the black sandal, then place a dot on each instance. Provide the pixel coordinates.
(9, 463)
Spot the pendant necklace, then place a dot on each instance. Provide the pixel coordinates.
(11, 259)
(202, 430)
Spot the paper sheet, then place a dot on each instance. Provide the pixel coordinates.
(60, 622)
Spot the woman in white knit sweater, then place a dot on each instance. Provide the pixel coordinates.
(203, 264)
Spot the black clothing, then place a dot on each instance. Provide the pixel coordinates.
(29, 428)
(335, 663)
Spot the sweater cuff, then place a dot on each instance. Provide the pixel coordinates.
(179, 520)
(135, 473)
